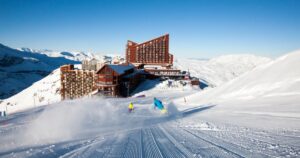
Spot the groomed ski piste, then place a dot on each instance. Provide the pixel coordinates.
(254, 115)
(103, 128)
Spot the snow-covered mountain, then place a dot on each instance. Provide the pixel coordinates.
(280, 77)
(219, 70)
(71, 55)
(42, 92)
(75, 55)
(19, 69)
(270, 91)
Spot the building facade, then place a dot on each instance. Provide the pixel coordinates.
(153, 52)
(109, 80)
(117, 80)
(76, 83)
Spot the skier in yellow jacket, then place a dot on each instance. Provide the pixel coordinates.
(130, 107)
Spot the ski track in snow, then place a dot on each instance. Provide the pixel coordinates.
(167, 136)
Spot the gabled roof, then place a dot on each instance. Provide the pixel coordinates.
(119, 69)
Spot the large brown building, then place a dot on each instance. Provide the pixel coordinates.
(109, 80)
(150, 59)
(117, 80)
(76, 83)
(153, 52)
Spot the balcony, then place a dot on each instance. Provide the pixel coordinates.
(104, 84)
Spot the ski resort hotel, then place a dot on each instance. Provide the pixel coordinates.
(146, 60)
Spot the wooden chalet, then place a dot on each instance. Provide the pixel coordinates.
(117, 80)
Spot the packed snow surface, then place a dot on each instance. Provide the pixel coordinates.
(99, 127)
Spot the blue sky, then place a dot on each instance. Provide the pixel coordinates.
(197, 28)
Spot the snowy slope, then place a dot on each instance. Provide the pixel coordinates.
(270, 93)
(19, 69)
(280, 77)
(100, 127)
(43, 92)
(219, 70)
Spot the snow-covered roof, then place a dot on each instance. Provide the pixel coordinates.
(134, 73)
(120, 69)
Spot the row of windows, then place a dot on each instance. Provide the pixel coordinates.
(154, 51)
(152, 47)
(150, 57)
(148, 51)
(166, 73)
(161, 50)
(156, 45)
